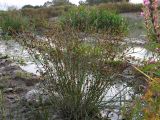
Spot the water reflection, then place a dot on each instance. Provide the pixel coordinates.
(136, 55)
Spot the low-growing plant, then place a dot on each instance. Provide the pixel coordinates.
(147, 106)
(92, 19)
(152, 99)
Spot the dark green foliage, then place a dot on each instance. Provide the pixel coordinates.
(27, 6)
(30, 6)
(86, 19)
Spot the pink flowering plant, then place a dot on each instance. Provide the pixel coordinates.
(147, 107)
(151, 17)
(151, 68)
(150, 13)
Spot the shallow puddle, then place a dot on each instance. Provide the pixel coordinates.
(19, 54)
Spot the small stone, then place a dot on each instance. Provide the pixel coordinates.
(113, 116)
(8, 90)
(32, 96)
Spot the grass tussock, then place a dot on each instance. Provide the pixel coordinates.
(76, 71)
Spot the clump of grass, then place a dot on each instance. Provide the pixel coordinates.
(73, 71)
(86, 19)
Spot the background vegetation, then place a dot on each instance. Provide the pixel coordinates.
(86, 19)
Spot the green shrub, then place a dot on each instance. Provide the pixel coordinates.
(14, 22)
(86, 19)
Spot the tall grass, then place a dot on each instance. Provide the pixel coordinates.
(13, 22)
